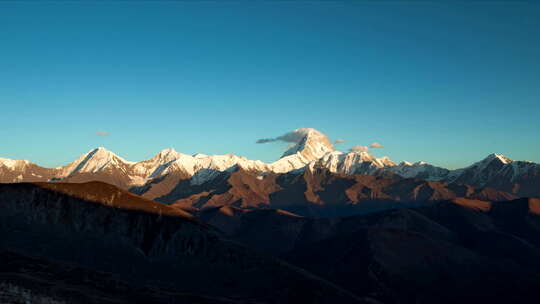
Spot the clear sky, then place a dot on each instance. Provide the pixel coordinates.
(444, 82)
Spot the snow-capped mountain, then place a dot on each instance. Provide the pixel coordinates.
(94, 161)
(310, 147)
(353, 163)
(12, 171)
(480, 173)
(157, 165)
(500, 172)
(420, 170)
(168, 166)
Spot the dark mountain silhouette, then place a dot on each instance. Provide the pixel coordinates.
(453, 251)
(25, 279)
(98, 226)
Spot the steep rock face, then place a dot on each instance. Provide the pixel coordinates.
(101, 227)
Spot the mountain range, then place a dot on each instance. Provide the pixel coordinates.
(160, 176)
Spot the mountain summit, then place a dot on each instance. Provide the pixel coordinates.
(311, 144)
(94, 161)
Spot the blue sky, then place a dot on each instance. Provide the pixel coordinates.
(444, 82)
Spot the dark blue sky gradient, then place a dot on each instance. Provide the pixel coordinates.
(436, 81)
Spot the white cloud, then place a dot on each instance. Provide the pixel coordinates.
(359, 149)
(376, 145)
(290, 137)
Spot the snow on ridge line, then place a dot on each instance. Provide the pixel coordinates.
(167, 160)
(313, 148)
(100, 158)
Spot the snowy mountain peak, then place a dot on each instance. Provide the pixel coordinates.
(167, 155)
(503, 159)
(100, 151)
(101, 154)
(13, 164)
(308, 142)
(483, 172)
(362, 156)
(307, 145)
(491, 161)
(93, 161)
(386, 161)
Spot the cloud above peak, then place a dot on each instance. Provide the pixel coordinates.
(101, 133)
(290, 137)
(359, 149)
(339, 141)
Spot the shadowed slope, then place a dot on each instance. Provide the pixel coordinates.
(458, 251)
(109, 195)
(25, 279)
(455, 251)
(103, 228)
